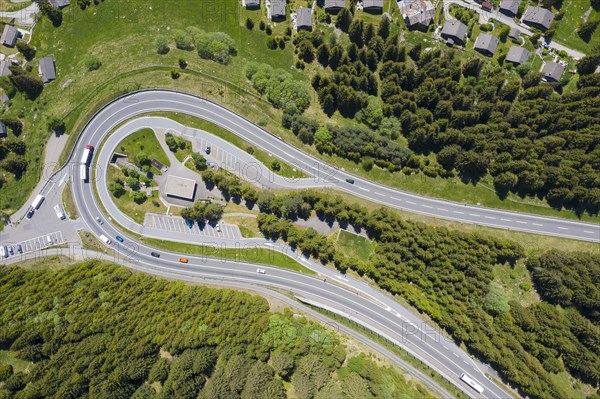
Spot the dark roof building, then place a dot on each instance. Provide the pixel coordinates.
(60, 3)
(276, 10)
(454, 31)
(552, 71)
(251, 4)
(510, 7)
(514, 33)
(333, 6)
(486, 44)
(47, 69)
(9, 35)
(304, 18)
(373, 6)
(517, 55)
(538, 17)
(3, 132)
(487, 6)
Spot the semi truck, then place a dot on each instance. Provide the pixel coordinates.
(83, 171)
(37, 201)
(87, 152)
(471, 382)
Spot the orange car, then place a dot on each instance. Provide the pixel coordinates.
(183, 260)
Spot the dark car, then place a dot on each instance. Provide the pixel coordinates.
(30, 212)
(351, 181)
(189, 223)
(155, 254)
(119, 238)
(19, 248)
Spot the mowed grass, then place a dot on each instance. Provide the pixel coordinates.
(262, 156)
(566, 32)
(68, 203)
(90, 242)
(354, 245)
(143, 140)
(264, 256)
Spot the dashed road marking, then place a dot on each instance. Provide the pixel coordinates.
(537, 224)
(490, 217)
(505, 220)
(364, 189)
(427, 206)
(521, 222)
(443, 210)
(474, 214)
(563, 228)
(410, 202)
(460, 213)
(588, 232)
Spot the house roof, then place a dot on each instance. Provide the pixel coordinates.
(372, 4)
(418, 12)
(538, 16)
(252, 3)
(335, 4)
(180, 187)
(47, 69)
(304, 17)
(9, 35)
(486, 42)
(553, 70)
(60, 3)
(4, 70)
(454, 28)
(517, 55)
(510, 5)
(277, 8)
(514, 33)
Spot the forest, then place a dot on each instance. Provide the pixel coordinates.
(98, 330)
(449, 276)
(477, 117)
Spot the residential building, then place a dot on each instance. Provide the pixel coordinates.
(10, 35)
(4, 68)
(417, 13)
(304, 18)
(276, 10)
(538, 17)
(47, 69)
(487, 6)
(514, 33)
(517, 55)
(59, 3)
(251, 4)
(552, 71)
(486, 44)
(332, 6)
(510, 7)
(454, 31)
(373, 6)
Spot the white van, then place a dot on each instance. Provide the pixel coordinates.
(59, 212)
(3, 251)
(105, 239)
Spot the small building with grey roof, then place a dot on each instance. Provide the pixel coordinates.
(10, 34)
(514, 33)
(373, 6)
(180, 187)
(486, 44)
(276, 10)
(552, 71)
(517, 55)
(332, 6)
(251, 4)
(304, 18)
(454, 31)
(4, 68)
(538, 17)
(510, 7)
(60, 3)
(47, 69)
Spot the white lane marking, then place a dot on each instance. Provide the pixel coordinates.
(506, 220)
(474, 214)
(443, 210)
(521, 222)
(410, 202)
(588, 232)
(376, 193)
(537, 224)
(396, 199)
(460, 213)
(364, 189)
(427, 206)
(564, 228)
(490, 217)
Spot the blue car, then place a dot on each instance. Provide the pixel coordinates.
(119, 238)
(189, 223)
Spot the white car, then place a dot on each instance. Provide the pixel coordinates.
(99, 220)
(218, 226)
(261, 271)
(59, 212)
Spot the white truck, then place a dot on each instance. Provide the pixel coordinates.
(37, 201)
(59, 213)
(105, 239)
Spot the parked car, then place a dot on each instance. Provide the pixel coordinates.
(183, 260)
(19, 248)
(155, 254)
(218, 226)
(30, 212)
(189, 223)
(119, 238)
(10, 250)
(351, 181)
(261, 271)
(207, 149)
(99, 220)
